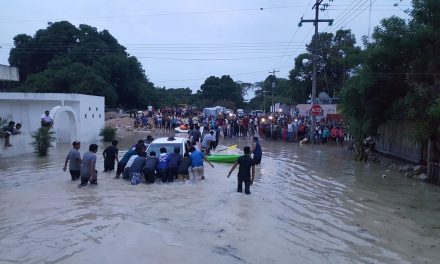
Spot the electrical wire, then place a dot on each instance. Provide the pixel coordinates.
(357, 14)
(348, 14)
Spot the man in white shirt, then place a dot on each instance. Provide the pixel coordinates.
(46, 120)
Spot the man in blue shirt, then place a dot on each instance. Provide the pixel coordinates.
(197, 158)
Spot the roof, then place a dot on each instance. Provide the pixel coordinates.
(48, 96)
(165, 140)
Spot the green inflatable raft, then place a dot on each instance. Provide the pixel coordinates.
(223, 158)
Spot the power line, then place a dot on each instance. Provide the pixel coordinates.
(211, 59)
(200, 12)
(356, 7)
(206, 12)
(357, 15)
(343, 13)
(204, 78)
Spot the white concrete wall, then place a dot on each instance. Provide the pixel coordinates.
(92, 118)
(76, 116)
(20, 144)
(8, 73)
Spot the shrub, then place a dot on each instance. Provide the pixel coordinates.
(108, 134)
(43, 139)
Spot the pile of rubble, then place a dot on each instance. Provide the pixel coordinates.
(418, 172)
(116, 120)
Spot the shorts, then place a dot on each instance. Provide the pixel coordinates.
(135, 178)
(198, 173)
(182, 177)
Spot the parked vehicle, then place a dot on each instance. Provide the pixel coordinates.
(169, 143)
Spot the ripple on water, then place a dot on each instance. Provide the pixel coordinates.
(309, 204)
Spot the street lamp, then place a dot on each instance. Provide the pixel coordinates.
(313, 96)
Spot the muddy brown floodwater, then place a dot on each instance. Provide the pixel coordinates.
(309, 204)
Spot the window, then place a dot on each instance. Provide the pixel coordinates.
(85, 116)
(93, 115)
(96, 108)
(99, 115)
(90, 109)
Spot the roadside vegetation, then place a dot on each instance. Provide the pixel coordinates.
(393, 75)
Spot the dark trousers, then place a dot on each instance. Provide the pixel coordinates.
(109, 164)
(126, 174)
(247, 184)
(84, 180)
(120, 169)
(163, 174)
(75, 174)
(149, 175)
(171, 174)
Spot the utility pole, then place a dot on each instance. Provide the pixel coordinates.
(264, 102)
(315, 59)
(273, 87)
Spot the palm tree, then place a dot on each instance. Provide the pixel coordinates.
(361, 120)
(44, 137)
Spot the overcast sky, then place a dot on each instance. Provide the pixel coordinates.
(181, 43)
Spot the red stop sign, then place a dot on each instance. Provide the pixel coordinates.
(316, 110)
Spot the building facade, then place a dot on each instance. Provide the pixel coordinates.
(76, 117)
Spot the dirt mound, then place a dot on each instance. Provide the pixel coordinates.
(124, 123)
(112, 115)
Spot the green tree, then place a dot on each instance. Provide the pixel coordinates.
(63, 58)
(64, 76)
(174, 97)
(215, 90)
(398, 78)
(43, 140)
(338, 56)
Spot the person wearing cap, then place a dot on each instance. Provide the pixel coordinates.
(74, 159)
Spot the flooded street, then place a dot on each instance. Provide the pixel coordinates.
(309, 204)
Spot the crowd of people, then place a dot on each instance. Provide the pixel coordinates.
(276, 126)
(137, 166)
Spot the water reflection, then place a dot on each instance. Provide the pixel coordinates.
(308, 204)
